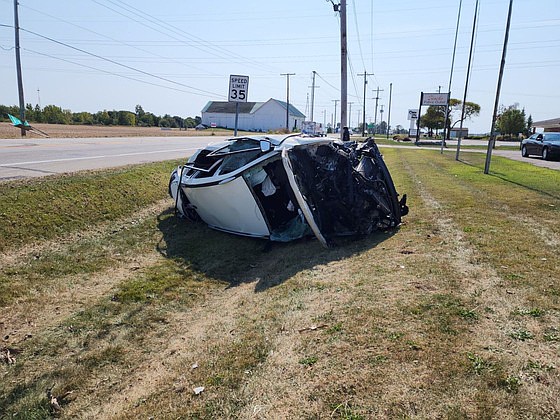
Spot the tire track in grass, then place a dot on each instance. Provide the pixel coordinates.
(492, 337)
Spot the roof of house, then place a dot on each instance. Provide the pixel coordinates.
(555, 122)
(220, 107)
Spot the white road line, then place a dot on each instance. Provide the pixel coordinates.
(96, 157)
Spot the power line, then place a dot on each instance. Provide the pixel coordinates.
(119, 64)
(174, 30)
(110, 72)
(358, 33)
(105, 36)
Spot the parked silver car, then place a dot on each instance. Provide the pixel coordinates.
(284, 188)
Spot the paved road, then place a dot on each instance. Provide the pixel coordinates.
(40, 157)
(32, 158)
(537, 161)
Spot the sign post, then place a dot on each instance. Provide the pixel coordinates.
(430, 99)
(412, 117)
(238, 92)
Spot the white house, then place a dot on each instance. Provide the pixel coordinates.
(253, 116)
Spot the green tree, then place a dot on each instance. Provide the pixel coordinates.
(30, 113)
(529, 125)
(511, 121)
(38, 114)
(381, 128)
(55, 115)
(82, 118)
(472, 109)
(433, 119)
(126, 118)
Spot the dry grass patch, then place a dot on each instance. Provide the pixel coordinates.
(454, 315)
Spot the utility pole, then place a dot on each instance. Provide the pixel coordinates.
(350, 114)
(381, 118)
(341, 8)
(389, 115)
(365, 74)
(287, 98)
(313, 87)
(336, 101)
(494, 117)
(376, 102)
(18, 68)
(343, 69)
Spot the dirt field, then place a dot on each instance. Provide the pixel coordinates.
(7, 131)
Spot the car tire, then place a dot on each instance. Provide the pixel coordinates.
(524, 151)
(545, 154)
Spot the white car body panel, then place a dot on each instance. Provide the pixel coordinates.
(229, 206)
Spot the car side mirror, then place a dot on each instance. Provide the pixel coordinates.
(265, 146)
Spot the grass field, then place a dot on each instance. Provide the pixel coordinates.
(118, 309)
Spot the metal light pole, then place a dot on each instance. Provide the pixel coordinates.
(500, 77)
(446, 128)
(466, 83)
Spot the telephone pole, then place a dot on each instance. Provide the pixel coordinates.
(336, 101)
(350, 114)
(18, 68)
(287, 98)
(365, 74)
(389, 117)
(376, 102)
(343, 69)
(381, 118)
(313, 87)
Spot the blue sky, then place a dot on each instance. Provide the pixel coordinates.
(174, 56)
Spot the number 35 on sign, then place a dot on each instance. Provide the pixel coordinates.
(238, 88)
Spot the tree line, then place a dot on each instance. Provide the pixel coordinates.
(52, 114)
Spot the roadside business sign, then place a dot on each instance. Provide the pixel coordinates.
(434, 99)
(238, 88)
(412, 114)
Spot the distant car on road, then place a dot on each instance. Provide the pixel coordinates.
(546, 145)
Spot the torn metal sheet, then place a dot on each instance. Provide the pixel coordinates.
(285, 188)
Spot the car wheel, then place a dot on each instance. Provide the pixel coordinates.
(545, 153)
(524, 151)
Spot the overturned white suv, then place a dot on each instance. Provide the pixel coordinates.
(285, 188)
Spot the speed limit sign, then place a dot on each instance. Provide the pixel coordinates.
(238, 88)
